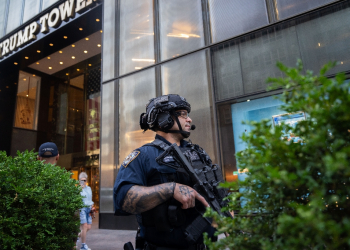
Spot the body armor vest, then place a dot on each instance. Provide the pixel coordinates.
(169, 214)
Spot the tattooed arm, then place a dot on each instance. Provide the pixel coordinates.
(140, 199)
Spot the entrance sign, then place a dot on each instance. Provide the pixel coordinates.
(53, 19)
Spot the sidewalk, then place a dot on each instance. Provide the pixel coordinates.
(104, 239)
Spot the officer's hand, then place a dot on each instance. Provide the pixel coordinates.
(187, 196)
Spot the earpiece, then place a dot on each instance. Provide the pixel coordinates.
(165, 121)
(143, 121)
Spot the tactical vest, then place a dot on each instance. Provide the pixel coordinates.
(169, 215)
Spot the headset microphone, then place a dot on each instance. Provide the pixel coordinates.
(193, 127)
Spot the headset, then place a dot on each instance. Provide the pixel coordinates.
(161, 112)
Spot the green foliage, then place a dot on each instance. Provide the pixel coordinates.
(38, 204)
(297, 194)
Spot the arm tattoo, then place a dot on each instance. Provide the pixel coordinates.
(140, 199)
(184, 190)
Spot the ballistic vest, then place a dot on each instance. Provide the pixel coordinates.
(169, 215)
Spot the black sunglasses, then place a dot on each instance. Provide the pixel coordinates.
(83, 180)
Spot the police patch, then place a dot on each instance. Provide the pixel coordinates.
(130, 158)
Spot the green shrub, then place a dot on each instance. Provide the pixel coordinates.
(297, 193)
(38, 204)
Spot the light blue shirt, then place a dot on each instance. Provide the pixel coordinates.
(87, 196)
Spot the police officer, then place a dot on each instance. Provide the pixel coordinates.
(161, 196)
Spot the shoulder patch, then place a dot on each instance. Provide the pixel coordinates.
(132, 156)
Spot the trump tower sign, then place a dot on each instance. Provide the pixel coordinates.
(52, 19)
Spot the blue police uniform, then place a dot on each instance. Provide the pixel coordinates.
(140, 168)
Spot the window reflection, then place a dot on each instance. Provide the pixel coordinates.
(325, 39)
(2, 14)
(31, 8)
(14, 15)
(287, 8)
(242, 67)
(26, 115)
(48, 3)
(141, 87)
(136, 35)
(181, 27)
(192, 83)
(229, 18)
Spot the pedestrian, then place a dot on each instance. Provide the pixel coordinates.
(48, 153)
(163, 198)
(85, 217)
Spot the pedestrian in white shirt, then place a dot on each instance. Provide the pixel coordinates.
(85, 217)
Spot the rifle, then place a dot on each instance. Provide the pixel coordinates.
(205, 180)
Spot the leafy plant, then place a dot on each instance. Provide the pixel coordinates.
(38, 204)
(296, 194)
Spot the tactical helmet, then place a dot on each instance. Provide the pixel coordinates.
(160, 112)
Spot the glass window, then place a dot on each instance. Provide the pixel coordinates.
(260, 52)
(2, 15)
(325, 39)
(181, 27)
(31, 8)
(107, 155)
(75, 121)
(93, 104)
(136, 35)
(227, 71)
(287, 8)
(109, 40)
(229, 18)
(14, 15)
(227, 145)
(188, 77)
(243, 67)
(48, 3)
(255, 110)
(140, 87)
(26, 115)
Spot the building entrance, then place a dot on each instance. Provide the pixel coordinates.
(58, 100)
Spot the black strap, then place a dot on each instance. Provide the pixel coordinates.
(160, 144)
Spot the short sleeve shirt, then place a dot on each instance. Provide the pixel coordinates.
(139, 168)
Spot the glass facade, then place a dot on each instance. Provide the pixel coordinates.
(193, 84)
(14, 15)
(26, 115)
(136, 35)
(140, 86)
(31, 8)
(287, 8)
(224, 82)
(180, 27)
(245, 15)
(48, 3)
(2, 14)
